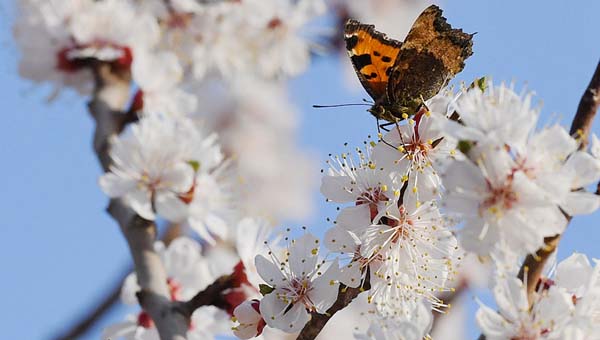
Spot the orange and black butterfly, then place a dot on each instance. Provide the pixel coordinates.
(400, 75)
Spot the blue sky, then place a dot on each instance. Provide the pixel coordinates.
(60, 251)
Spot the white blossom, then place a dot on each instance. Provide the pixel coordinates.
(563, 308)
(414, 326)
(170, 166)
(249, 322)
(499, 204)
(300, 285)
(485, 116)
(368, 187)
(417, 150)
(150, 171)
(416, 257)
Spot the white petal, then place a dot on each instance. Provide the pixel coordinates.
(178, 178)
(268, 271)
(493, 325)
(351, 274)
(586, 167)
(325, 288)
(511, 298)
(171, 207)
(573, 273)
(578, 203)
(116, 186)
(595, 146)
(336, 188)
(478, 238)
(555, 308)
(340, 240)
(304, 255)
(273, 309)
(139, 201)
(355, 218)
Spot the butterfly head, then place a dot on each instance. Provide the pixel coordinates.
(391, 113)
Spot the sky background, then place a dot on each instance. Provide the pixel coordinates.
(60, 251)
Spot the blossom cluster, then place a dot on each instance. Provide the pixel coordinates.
(516, 185)
(564, 306)
(468, 173)
(179, 56)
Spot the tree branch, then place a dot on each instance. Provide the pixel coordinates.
(318, 321)
(96, 313)
(210, 296)
(586, 111)
(110, 95)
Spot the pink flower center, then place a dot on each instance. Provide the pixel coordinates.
(372, 198)
(274, 23)
(299, 290)
(144, 320)
(67, 63)
(499, 198)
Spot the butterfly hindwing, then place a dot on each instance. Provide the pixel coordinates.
(432, 53)
(372, 54)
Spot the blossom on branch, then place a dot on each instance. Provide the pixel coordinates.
(299, 284)
(515, 185)
(565, 307)
(188, 273)
(249, 321)
(169, 166)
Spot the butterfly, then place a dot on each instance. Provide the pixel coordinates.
(400, 76)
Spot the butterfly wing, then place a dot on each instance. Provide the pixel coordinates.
(372, 55)
(432, 53)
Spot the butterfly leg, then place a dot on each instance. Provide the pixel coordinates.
(383, 127)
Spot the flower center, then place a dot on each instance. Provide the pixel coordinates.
(298, 292)
(499, 198)
(372, 197)
(400, 225)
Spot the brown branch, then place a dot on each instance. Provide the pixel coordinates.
(96, 313)
(111, 93)
(586, 111)
(318, 321)
(210, 296)
(534, 264)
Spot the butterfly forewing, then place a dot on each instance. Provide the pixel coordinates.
(372, 55)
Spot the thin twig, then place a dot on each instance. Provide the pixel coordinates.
(90, 319)
(318, 321)
(210, 296)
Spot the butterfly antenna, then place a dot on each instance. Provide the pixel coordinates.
(338, 105)
(368, 101)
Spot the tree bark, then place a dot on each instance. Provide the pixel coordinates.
(110, 96)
